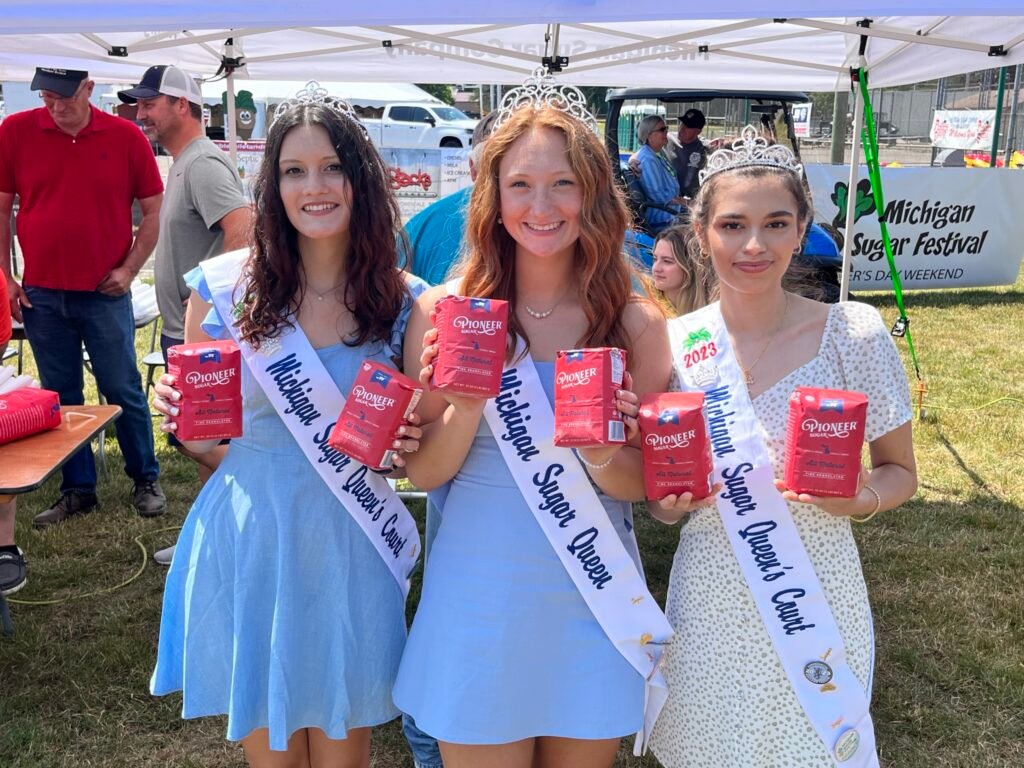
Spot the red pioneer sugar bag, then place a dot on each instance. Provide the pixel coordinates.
(824, 438)
(676, 448)
(28, 410)
(208, 419)
(586, 381)
(382, 399)
(206, 368)
(471, 339)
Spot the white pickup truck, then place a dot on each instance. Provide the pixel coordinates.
(417, 126)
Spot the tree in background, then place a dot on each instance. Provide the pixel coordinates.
(442, 92)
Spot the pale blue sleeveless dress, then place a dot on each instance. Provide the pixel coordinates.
(278, 611)
(503, 647)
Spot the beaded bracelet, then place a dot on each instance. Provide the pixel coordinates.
(602, 465)
(878, 506)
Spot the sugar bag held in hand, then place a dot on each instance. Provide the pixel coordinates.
(381, 400)
(472, 335)
(209, 377)
(824, 438)
(676, 448)
(586, 382)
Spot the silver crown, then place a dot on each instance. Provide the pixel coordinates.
(540, 90)
(315, 94)
(748, 150)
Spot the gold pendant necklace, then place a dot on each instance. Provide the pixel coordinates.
(747, 375)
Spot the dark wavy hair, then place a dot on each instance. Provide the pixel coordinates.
(272, 287)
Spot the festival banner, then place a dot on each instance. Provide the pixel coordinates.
(949, 227)
(963, 128)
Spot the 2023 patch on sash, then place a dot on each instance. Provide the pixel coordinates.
(309, 402)
(767, 545)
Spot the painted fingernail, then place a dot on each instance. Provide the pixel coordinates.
(401, 430)
(175, 395)
(174, 411)
(397, 444)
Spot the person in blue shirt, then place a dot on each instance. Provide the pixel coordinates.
(435, 233)
(657, 177)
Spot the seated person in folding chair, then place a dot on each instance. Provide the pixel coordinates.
(12, 559)
(657, 176)
(204, 212)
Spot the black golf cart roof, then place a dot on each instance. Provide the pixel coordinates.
(692, 94)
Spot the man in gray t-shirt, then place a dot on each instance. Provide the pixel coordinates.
(204, 211)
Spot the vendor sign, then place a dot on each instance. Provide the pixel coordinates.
(963, 128)
(248, 159)
(421, 176)
(802, 120)
(949, 227)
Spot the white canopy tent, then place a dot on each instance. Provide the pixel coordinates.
(593, 42)
(604, 44)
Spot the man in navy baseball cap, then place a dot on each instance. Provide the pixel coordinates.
(63, 82)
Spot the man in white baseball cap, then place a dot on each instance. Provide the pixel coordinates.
(164, 81)
(204, 212)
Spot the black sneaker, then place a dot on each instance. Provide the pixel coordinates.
(69, 504)
(149, 500)
(13, 571)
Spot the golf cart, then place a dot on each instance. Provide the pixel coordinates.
(726, 112)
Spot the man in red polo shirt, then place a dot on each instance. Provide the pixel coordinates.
(77, 171)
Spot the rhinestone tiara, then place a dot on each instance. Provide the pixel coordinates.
(315, 94)
(748, 150)
(541, 90)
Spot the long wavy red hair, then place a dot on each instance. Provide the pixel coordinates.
(488, 269)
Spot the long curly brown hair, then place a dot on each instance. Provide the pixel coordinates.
(272, 286)
(602, 268)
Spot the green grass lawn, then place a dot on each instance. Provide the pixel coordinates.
(945, 572)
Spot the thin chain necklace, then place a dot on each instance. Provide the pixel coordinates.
(778, 326)
(541, 315)
(321, 296)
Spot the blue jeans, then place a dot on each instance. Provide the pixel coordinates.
(57, 325)
(425, 752)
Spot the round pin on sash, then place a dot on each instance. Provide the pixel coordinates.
(818, 672)
(846, 746)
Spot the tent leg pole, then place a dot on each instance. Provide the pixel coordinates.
(851, 195)
(232, 127)
(1011, 132)
(999, 118)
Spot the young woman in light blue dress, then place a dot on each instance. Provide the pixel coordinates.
(505, 665)
(278, 611)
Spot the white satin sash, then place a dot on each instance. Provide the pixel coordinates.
(568, 510)
(768, 547)
(309, 402)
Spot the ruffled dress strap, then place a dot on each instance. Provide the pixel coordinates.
(416, 287)
(213, 324)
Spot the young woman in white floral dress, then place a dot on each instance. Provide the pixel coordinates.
(731, 703)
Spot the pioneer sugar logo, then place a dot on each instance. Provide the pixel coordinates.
(820, 429)
(670, 442)
(203, 379)
(469, 325)
(579, 378)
